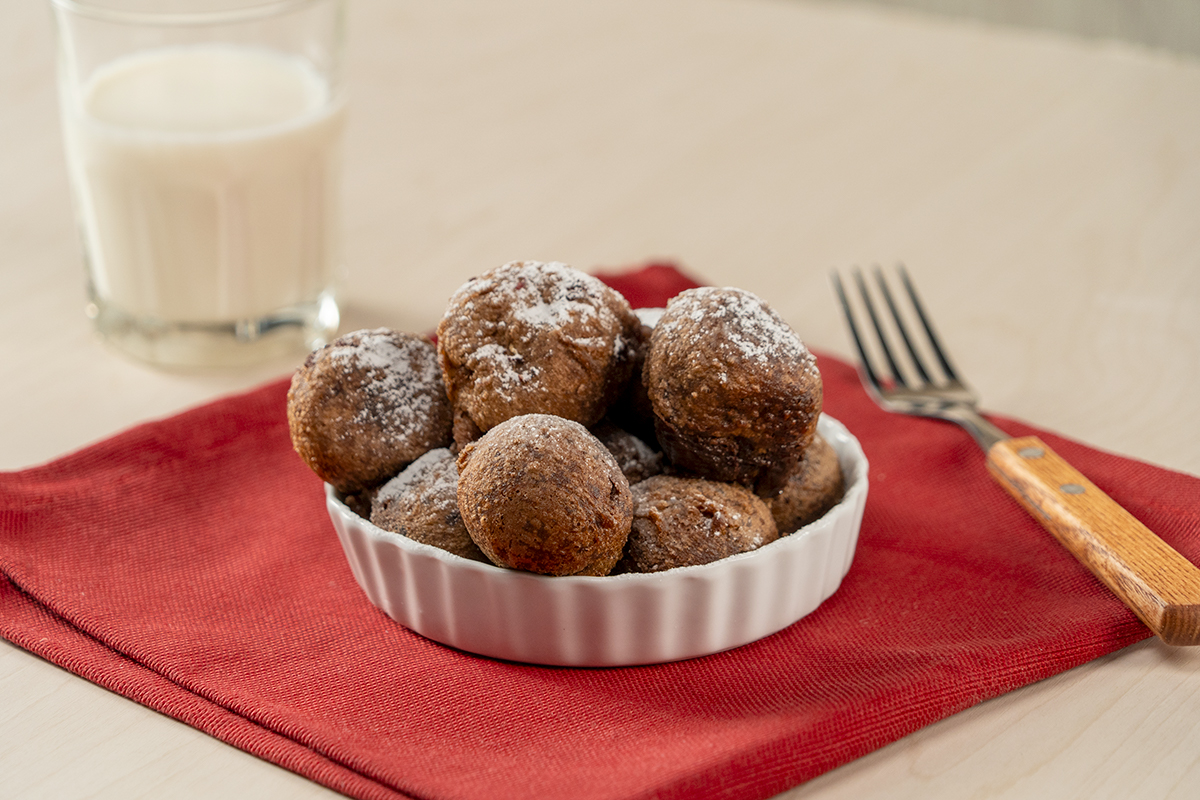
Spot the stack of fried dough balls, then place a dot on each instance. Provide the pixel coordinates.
(550, 428)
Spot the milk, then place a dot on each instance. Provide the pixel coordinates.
(206, 182)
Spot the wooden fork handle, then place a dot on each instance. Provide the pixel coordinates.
(1155, 581)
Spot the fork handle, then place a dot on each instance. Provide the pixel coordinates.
(1155, 581)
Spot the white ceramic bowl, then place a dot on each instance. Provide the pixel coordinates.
(615, 620)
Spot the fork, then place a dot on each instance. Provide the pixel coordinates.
(907, 370)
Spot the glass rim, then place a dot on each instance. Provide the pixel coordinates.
(255, 11)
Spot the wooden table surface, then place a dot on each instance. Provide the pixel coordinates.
(1044, 191)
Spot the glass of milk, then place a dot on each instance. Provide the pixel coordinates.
(203, 142)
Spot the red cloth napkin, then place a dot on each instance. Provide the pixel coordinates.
(189, 564)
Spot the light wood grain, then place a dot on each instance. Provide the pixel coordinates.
(1042, 191)
(1151, 578)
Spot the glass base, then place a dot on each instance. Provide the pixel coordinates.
(290, 331)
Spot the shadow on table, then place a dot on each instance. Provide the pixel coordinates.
(1171, 25)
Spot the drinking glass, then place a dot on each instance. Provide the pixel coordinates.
(203, 144)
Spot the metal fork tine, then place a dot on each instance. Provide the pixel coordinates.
(917, 361)
(1160, 585)
(946, 397)
(848, 313)
(934, 342)
(897, 375)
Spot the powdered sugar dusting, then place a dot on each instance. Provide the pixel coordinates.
(501, 371)
(555, 434)
(435, 474)
(402, 381)
(540, 295)
(559, 431)
(636, 459)
(753, 329)
(535, 302)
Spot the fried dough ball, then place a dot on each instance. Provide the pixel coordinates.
(632, 409)
(736, 394)
(534, 338)
(680, 522)
(367, 404)
(360, 502)
(816, 486)
(540, 493)
(636, 459)
(422, 504)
